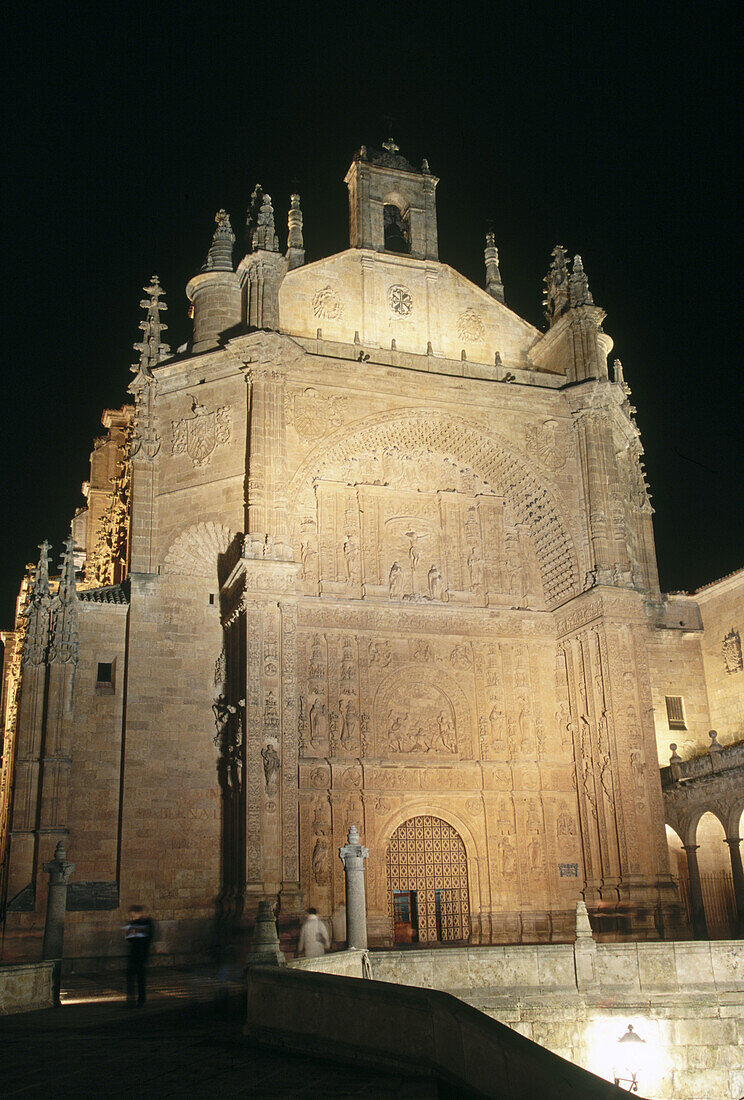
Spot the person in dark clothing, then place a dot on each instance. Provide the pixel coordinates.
(138, 937)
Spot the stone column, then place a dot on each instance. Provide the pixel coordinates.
(737, 873)
(60, 872)
(353, 856)
(699, 926)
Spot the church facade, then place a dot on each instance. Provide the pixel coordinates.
(370, 550)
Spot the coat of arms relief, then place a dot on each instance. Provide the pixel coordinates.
(198, 435)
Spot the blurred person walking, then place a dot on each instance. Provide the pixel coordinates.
(138, 937)
(314, 939)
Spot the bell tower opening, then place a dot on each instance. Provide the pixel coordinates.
(397, 229)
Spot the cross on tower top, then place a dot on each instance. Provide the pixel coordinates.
(391, 146)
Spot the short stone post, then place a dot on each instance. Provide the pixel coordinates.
(585, 952)
(265, 949)
(353, 856)
(60, 872)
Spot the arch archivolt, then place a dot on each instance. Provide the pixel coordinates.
(426, 806)
(419, 450)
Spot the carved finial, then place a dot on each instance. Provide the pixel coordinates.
(714, 746)
(40, 585)
(220, 255)
(556, 286)
(67, 591)
(151, 348)
(353, 835)
(390, 146)
(425, 167)
(579, 285)
(674, 757)
(295, 240)
(260, 222)
(494, 286)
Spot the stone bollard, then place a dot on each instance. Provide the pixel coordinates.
(60, 872)
(353, 856)
(585, 952)
(265, 949)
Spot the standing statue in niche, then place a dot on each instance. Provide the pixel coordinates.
(271, 766)
(318, 721)
(436, 584)
(351, 558)
(475, 569)
(321, 859)
(395, 581)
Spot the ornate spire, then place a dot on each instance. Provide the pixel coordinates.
(36, 612)
(67, 591)
(63, 627)
(152, 350)
(220, 255)
(150, 347)
(556, 286)
(494, 286)
(295, 240)
(40, 586)
(260, 222)
(579, 285)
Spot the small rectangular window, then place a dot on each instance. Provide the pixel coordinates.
(105, 677)
(211, 598)
(675, 712)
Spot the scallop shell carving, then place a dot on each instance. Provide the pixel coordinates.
(196, 550)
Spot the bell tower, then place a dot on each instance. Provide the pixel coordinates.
(392, 205)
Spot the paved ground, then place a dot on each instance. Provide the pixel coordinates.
(186, 1042)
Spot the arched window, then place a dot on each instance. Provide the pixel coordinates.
(397, 229)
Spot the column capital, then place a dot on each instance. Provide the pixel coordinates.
(732, 840)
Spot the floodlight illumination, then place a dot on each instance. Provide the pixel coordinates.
(629, 1059)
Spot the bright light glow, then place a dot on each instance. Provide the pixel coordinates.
(609, 1058)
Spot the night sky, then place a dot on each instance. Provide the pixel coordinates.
(613, 131)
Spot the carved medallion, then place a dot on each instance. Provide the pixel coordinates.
(400, 300)
(732, 656)
(199, 434)
(327, 304)
(545, 443)
(314, 414)
(470, 327)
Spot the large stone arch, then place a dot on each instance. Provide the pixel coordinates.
(464, 444)
(423, 805)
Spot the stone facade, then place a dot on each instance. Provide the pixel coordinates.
(388, 556)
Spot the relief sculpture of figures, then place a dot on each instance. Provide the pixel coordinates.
(475, 569)
(321, 859)
(436, 584)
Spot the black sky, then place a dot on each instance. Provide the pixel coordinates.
(612, 131)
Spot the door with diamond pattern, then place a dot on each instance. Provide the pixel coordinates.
(426, 859)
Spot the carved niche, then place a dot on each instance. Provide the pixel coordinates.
(195, 552)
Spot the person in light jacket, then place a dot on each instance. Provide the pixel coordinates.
(314, 940)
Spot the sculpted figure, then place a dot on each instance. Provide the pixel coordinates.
(395, 581)
(271, 767)
(318, 721)
(349, 722)
(475, 568)
(351, 557)
(436, 584)
(321, 862)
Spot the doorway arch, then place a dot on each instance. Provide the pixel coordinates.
(427, 878)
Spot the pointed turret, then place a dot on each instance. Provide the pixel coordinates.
(260, 222)
(579, 285)
(67, 591)
(40, 585)
(215, 292)
(37, 612)
(220, 255)
(494, 286)
(295, 240)
(151, 348)
(556, 286)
